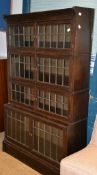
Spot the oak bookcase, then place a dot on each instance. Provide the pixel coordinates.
(48, 73)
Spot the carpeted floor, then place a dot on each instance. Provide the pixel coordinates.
(11, 166)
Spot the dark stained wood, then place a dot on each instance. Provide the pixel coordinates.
(46, 121)
(3, 90)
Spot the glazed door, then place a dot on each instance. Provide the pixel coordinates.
(48, 140)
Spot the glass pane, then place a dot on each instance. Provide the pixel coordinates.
(41, 36)
(27, 67)
(60, 151)
(16, 40)
(46, 70)
(61, 36)
(47, 36)
(66, 67)
(21, 69)
(13, 95)
(35, 138)
(42, 41)
(60, 71)
(65, 106)
(21, 30)
(53, 70)
(41, 103)
(53, 146)
(59, 104)
(68, 36)
(61, 29)
(15, 30)
(46, 104)
(61, 41)
(17, 66)
(41, 141)
(66, 73)
(21, 40)
(41, 69)
(54, 36)
(52, 103)
(48, 144)
(32, 67)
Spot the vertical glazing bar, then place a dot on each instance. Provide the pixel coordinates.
(30, 67)
(29, 33)
(33, 141)
(49, 69)
(7, 122)
(63, 71)
(64, 37)
(57, 147)
(43, 100)
(25, 95)
(44, 36)
(55, 103)
(62, 107)
(49, 101)
(38, 135)
(20, 129)
(44, 139)
(29, 36)
(38, 38)
(20, 95)
(18, 37)
(11, 91)
(57, 37)
(38, 99)
(10, 64)
(15, 92)
(29, 96)
(24, 65)
(50, 141)
(50, 36)
(25, 129)
(43, 68)
(11, 124)
(14, 65)
(19, 65)
(15, 127)
(56, 73)
(23, 36)
(13, 38)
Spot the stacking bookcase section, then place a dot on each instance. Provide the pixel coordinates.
(48, 85)
(46, 139)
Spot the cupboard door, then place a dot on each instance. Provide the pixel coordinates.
(53, 70)
(21, 36)
(53, 102)
(54, 35)
(17, 126)
(22, 94)
(48, 140)
(22, 67)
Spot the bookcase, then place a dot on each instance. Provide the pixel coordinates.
(48, 85)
